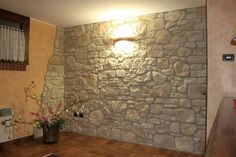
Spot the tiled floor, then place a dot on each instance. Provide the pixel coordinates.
(75, 145)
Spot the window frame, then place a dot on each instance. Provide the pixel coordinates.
(24, 25)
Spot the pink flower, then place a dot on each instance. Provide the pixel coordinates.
(50, 110)
(44, 118)
(35, 114)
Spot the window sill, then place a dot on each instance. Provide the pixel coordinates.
(13, 66)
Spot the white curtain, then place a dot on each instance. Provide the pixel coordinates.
(12, 44)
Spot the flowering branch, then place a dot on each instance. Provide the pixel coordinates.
(46, 116)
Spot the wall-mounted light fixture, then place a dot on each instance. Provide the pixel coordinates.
(124, 37)
(131, 39)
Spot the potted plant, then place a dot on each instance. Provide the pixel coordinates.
(49, 118)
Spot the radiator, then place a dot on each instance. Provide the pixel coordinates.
(6, 131)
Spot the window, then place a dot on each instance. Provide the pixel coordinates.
(14, 41)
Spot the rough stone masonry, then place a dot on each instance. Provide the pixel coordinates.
(154, 96)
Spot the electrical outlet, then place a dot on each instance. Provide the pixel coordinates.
(76, 114)
(81, 114)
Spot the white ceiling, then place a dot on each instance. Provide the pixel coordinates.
(76, 12)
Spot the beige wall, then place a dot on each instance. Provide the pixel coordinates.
(12, 83)
(221, 75)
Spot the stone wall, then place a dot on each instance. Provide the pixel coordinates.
(153, 96)
(53, 91)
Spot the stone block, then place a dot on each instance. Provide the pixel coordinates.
(164, 141)
(142, 69)
(69, 59)
(174, 15)
(186, 115)
(96, 117)
(200, 26)
(183, 51)
(111, 73)
(147, 126)
(111, 63)
(120, 73)
(136, 91)
(162, 63)
(202, 80)
(115, 134)
(181, 69)
(132, 115)
(156, 24)
(162, 37)
(182, 89)
(202, 44)
(170, 24)
(175, 127)
(200, 134)
(81, 53)
(159, 77)
(185, 103)
(168, 72)
(201, 103)
(197, 59)
(156, 108)
(57, 93)
(196, 67)
(128, 136)
(179, 38)
(103, 131)
(153, 121)
(109, 92)
(118, 106)
(162, 90)
(145, 77)
(200, 147)
(142, 107)
(196, 91)
(190, 44)
(166, 101)
(190, 80)
(198, 73)
(90, 81)
(102, 75)
(168, 117)
(59, 44)
(195, 36)
(184, 144)
(202, 12)
(84, 40)
(188, 129)
(79, 30)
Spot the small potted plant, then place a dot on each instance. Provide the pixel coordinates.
(50, 120)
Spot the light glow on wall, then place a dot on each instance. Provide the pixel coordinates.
(124, 47)
(119, 14)
(125, 30)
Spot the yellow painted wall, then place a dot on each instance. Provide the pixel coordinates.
(221, 16)
(12, 83)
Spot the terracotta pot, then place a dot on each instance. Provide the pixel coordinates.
(50, 135)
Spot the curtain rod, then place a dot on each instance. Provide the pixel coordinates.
(16, 29)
